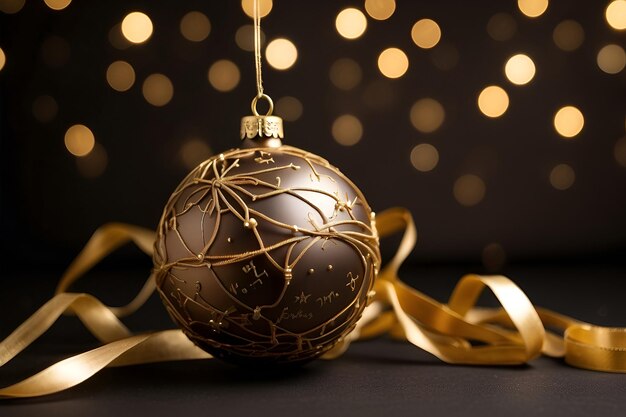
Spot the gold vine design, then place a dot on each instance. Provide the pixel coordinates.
(216, 182)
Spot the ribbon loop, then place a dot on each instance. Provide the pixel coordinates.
(597, 348)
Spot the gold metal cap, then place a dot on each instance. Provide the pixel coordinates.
(261, 127)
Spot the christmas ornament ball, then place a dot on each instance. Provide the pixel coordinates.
(266, 254)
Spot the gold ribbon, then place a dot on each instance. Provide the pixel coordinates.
(458, 332)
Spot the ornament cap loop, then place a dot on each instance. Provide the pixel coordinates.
(255, 100)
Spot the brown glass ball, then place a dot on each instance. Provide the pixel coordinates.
(266, 255)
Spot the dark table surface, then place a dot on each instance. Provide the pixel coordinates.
(372, 378)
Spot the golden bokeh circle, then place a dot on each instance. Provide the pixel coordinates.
(427, 115)
(568, 35)
(57, 4)
(117, 38)
(224, 75)
(79, 140)
(195, 26)
(265, 7)
(347, 130)
(3, 59)
(569, 121)
(244, 37)
(615, 14)
(611, 59)
(426, 33)
(157, 89)
(424, 157)
(281, 53)
(393, 63)
(519, 69)
(11, 6)
(93, 164)
(493, 101)
(193, 152)
(532, 8)
(351, 23)
(562, 177)
(469, 190)
(137, 27)
(345, 73)
(289, 108)
(120, 76)
(380, 9)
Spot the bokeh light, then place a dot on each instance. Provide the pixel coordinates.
(281, 53)
(120, 76)
(345, 73)
(493, 257)
(568, 121)
(193, 152)
(520, 69)
(289, 108)
(619, 151)
(79, 140)
(265, 7)
(45, 108)
(427, 115)
(137, 27)
(393, 63)
(158, 90)
(501, 27)
(426, 33)
(347, 130)
(117, 38)
(244, 37)
(616, 14)
(11, 6)
(93, 164)
(611, 59)
(562, 177)
(493, 101)
(532, 8)
(57, 4)
(55, 51)
(195, 26)
(424, 157)
(469, 190)
(3, 59)
(224, 75)
(380, 9)
(568, 35)
(351, 23)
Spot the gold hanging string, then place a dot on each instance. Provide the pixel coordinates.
(457, 332)
(257, 49)
(257, 62)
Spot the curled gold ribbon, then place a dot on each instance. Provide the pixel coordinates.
(458, 332)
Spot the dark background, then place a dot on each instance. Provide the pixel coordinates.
(564, 248)
(48, 209)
